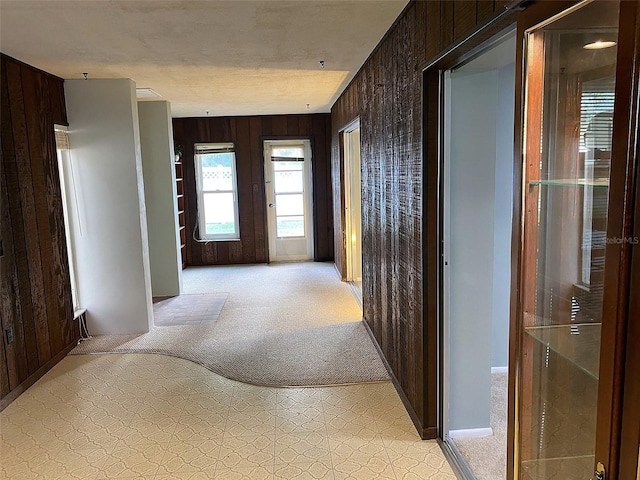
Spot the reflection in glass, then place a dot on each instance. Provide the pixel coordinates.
(570, 93)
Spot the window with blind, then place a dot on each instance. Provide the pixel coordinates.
(216, 185)
(67, 188)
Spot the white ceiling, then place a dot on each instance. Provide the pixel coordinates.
(241, 57)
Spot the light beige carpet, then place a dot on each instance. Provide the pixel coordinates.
(487, 456)
(282, 325)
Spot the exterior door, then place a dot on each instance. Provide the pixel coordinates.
(288, 184)
(576, 165)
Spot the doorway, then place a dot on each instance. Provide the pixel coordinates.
(353, 207)
(288, 187)
(476, 270)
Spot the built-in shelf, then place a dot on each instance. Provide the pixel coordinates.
(572, 182)
(578, 343)
(181, 208)
(562, 468)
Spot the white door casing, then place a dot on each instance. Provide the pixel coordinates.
(288, 188)
(353, 204)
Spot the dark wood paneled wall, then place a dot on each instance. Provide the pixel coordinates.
(387, 97)
(248, 133)
(35, 293)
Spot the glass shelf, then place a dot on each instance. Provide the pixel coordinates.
(572, 182)
(578, 343)
(563, 468)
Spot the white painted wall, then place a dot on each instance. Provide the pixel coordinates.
(481, 201)
(156, 144)
(472, 204)
(111, 247)
(502, 216)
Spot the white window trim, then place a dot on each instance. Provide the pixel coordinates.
(67, 187)
(202, 227)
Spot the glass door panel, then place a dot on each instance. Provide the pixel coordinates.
(570, 77)
(288, 176)
(288, 184)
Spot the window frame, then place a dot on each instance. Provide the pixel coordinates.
(200, 193)
(63, 157)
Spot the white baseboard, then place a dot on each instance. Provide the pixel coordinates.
(499, 369)
(471, 433)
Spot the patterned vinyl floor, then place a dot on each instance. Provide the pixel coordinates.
(143, 416)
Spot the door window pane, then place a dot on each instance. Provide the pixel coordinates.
(289, 204)
(296, 152)
(288, 181)
(290, 226)
(288, 166)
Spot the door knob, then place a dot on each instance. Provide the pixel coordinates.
(600, 473)
(272, 205)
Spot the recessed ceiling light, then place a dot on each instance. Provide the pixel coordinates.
(598, 45)
(146, 93)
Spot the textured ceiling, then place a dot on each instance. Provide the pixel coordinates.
(223, 57)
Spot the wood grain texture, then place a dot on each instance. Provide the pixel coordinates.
(485, 10)
(20, 199)
(35, 294)
(432, 34)
(399, 210)
(465, 14)
(533, 129)
(515, 326)
(619, 256)
(247, 134)
(447, 26)
(34, 208)
(630, 433)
